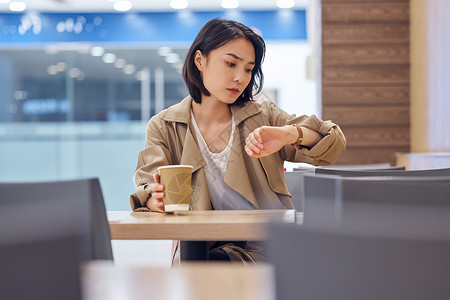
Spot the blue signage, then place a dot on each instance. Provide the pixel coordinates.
(155, 27)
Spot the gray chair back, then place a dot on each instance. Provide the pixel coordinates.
(41, 269)
(395, 206)
(312, 264)
(40, 210)
(391, 172)
(295, 185)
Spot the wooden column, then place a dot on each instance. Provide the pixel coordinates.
(365, 76)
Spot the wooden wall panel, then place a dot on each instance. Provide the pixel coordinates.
(377, 137)
(342, 34)
(351, 116)
(366, 54)
(371, 156)
(355, 12)
(365, 95)
(365, 76)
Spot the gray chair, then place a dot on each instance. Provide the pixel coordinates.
(295, 185)
(379, 166)
(71, 207)
(389, 206)
(336, 170)
(41, 269)
(391, 172)
(313, 264)
(48, 230)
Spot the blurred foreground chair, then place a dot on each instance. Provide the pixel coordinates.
(391, 172)
(295, 182)
(36, 217)
(389, 206)
(335, 170)
(295, 185)
(312, 264)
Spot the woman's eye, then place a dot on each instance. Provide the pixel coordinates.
(249, 70)
(230, 64)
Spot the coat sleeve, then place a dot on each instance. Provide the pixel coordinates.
(325, 152)
(155, 154)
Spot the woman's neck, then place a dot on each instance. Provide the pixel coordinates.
(211, 111)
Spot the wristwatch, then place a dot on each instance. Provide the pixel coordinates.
(300, 136)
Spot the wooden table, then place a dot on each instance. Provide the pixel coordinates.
(195, 228)
(198, 225)
(199, 281)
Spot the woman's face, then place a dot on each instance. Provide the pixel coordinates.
(227, 70)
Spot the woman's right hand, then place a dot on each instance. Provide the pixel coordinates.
(155, 201)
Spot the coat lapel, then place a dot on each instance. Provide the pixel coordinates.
(236, 175)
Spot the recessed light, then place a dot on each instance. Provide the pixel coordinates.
(230, 4)
(122, 5)
(164, 51)
(285, 3)
(109, 58)
(172, 58)
(120, 63)
(179, 4)
(97, 51)
(17, 6)
(129, 69)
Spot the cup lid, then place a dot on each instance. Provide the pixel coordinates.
(175, 166)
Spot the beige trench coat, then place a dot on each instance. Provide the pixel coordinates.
(171, 140)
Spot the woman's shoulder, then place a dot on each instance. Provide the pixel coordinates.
(179, 112)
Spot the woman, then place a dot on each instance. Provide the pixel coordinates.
(236, 147)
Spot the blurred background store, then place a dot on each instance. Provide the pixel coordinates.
(79, 80)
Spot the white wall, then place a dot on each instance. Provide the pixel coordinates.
(285, 70)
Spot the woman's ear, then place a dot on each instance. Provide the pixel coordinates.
(198, 60)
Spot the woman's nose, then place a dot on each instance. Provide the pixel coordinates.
(239, 76)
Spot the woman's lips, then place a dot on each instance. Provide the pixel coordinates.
(233, 91)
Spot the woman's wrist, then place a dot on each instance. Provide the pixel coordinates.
(293, 134)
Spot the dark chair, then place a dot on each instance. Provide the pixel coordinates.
(295, 185)
(312, 264)
(336, 170)
(380, 166)
(396, 206)
(57, 208)
(391, 172)
(40, 269)
(48, 230)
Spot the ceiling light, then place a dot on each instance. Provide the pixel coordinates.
(179, 4)
(61, 66)
(164, 51)
(97, 51)
(75, 72)
(129, 69)
(172, 58)
(122, 5)
(120, 63)
(17, 6)
(52, 70)
(109, 58)
(285, 3)
(229, 4)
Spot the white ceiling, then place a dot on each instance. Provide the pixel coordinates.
(140, 5)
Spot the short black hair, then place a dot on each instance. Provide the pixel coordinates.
(214, 34)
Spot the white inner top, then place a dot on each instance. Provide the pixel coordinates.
(222, 196)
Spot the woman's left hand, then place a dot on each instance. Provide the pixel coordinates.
(266, 140)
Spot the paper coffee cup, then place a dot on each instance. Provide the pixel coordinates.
(176, 180)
